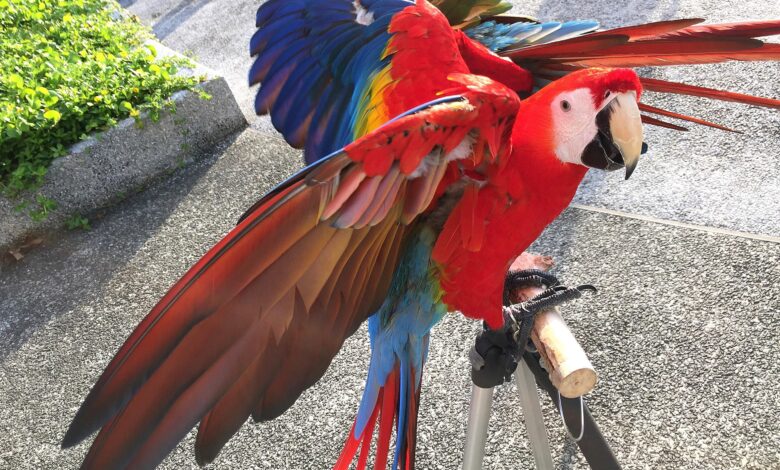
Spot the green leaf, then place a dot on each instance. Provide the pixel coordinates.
(77, 222)
(52, 115)
(16, 80)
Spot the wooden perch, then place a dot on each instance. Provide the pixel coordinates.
(569, 367)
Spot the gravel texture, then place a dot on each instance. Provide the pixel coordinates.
(683, 334)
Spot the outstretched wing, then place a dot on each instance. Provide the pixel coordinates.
(320, 62)
(551, 50)
(259, 318)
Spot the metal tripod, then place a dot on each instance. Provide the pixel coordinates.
(529, 373)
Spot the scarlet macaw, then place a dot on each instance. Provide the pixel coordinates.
(417, 216)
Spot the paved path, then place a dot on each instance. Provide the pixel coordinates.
(684, 331)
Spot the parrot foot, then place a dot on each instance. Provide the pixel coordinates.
(519, 318)
(496, 353)
(527, 278)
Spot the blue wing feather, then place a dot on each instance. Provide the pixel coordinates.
(303, 105)
(276, 10)
(547, 28)
(320, 45)
(500, 36)
(571, 29)
(276, 35)
(282, 108)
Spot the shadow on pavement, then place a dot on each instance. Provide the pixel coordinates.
(176, 17)
(70, 267)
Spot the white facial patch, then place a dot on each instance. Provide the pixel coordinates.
(574, 123)
(362, 15)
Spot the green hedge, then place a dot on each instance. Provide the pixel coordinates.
(69, 68)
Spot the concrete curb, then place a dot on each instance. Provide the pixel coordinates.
(105, 168)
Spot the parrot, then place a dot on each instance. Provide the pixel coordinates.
(439, 144)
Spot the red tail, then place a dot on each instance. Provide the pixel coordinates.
(386, 409)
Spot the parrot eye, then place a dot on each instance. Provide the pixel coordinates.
(565, 106)
(606, 95)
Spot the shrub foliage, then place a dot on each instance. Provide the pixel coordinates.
(69, 68)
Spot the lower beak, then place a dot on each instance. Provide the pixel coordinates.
(618, 142)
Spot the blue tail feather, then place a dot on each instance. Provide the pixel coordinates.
(403, 409)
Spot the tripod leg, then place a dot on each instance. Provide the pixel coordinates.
(476, 432)
(534, 421)
(593, 445)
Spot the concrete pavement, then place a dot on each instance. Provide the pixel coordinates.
(684, 331)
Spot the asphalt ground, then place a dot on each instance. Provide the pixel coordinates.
(683, 332)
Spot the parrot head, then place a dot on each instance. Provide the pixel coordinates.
(594, 117)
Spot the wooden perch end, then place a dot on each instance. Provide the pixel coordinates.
(569, 367)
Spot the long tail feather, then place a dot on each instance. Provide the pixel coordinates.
(566, 48)
(363, 442)
(657, 122)
(368, 434)
(747, 29)
(684, 117)
(396, 405)
(664, 86)
(406, 447)
(651, 29)
(386, 419)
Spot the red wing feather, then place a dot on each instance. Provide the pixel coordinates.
(768, 52)
(240, 338)
(192, 299)
(675, 52)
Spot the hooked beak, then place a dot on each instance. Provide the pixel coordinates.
(618, 142)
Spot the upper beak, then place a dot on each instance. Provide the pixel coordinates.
(618, 142)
